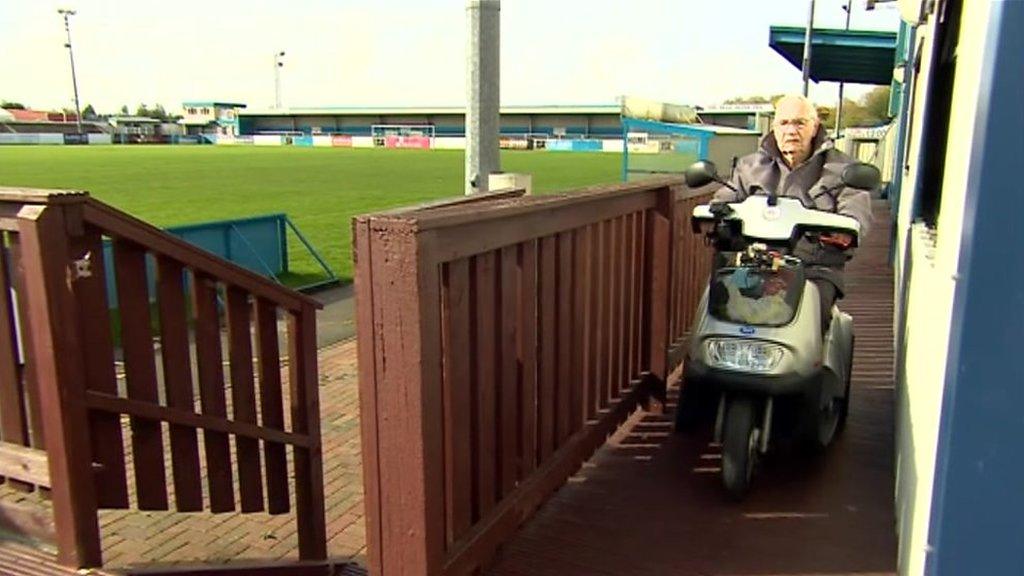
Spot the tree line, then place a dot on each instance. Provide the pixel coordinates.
(157, 112)
(872, 109)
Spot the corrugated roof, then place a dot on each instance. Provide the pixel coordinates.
(737, 109)
(29, 115)
(395, 111)
(136, 119)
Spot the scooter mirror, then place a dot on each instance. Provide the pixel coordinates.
(861, 175)
(701, 173)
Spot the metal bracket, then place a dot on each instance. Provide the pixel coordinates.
(82, 267)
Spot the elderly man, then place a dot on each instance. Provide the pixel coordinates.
(799, 161)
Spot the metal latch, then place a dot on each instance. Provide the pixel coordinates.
(82, 267)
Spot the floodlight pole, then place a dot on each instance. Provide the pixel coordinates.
(482, 95)
(807, 49)
(278, 64)
(839, 107)
(67, 14)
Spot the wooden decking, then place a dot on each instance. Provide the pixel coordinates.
(650, 502)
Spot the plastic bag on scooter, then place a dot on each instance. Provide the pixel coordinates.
(756, 296)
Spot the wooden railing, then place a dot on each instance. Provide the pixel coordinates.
(499, 345)
(58, 357)
(691, 266)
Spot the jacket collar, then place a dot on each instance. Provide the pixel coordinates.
(820, 144)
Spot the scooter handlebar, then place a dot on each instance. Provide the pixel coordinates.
(763, 221)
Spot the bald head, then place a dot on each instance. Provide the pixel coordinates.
(795, 104)
(796, 123)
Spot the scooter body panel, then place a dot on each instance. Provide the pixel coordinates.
(806, 356)
(838, 349)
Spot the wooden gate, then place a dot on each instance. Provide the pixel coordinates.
(61, 389)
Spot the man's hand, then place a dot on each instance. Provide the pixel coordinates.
(838, 239)
(719, 208)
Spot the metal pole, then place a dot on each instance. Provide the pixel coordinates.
(839, 107)
(277, 78)
(67, 14)
(482, 95)
(807, 49)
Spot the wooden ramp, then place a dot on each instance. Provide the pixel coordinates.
(650, 501)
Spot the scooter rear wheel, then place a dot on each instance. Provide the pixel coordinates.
(739, 446)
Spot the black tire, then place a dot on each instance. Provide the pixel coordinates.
(821, 422)
(845, 409)
(739, 446)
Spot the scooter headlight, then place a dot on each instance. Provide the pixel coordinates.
(745, 355)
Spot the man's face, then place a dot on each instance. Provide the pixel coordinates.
(794, 128)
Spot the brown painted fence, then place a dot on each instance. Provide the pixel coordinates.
(499, 345)
(59, 379)
(690, 268)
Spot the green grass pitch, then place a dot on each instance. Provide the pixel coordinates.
(321, 189)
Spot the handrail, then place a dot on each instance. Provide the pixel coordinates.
(123, 225)
(504, 209)
(38, 196)
(120, 224)
(474, 199)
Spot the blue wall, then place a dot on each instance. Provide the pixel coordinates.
(259, 244)
(977, 522)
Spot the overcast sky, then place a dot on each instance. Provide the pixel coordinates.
(404, 52)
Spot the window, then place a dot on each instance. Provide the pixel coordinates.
(936, 122)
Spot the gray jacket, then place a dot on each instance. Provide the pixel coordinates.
(765, 170)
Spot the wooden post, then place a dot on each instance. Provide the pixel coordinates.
(400, 317)
(366, 343)
(57, 351)
(657, 278)
(309, 466)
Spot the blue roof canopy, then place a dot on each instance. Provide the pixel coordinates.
(857, 56)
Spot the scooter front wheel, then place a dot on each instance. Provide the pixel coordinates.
(823, 420)
(739, 446)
